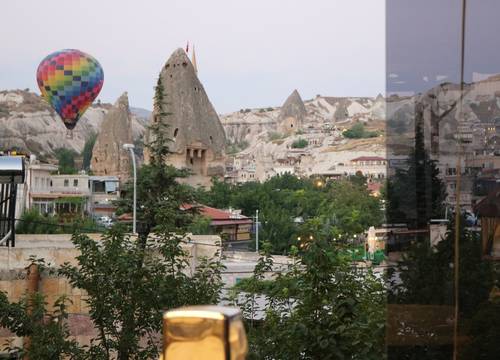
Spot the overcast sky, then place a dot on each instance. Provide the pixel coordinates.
(423, 42)
(250, 53)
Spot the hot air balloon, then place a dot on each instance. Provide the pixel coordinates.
(70, 80)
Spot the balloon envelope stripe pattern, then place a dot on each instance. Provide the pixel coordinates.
(70, 80)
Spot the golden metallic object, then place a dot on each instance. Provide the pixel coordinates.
(204, 333)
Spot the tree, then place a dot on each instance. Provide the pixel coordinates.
(66, 161)
(286, 201)
(320, 307)
(48, 331)
(425, 276)
(416, 194)
(129, 281)
(349, 209)
(128, 287)
(278, 229)
(87, 150)
(219, 195)
(200, 226)
(159, 195)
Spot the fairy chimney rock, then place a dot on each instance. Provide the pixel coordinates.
(198, 138)
(292, 114)
(108, 155)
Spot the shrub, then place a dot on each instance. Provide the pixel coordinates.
(300, 144)
(358, 131)
(200, 226)
(32, 222)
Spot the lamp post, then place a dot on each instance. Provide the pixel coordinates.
(130, 148)
(257, 231)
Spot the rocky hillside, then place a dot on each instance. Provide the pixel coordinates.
(29, 124)
(445, 116)
(248, 125)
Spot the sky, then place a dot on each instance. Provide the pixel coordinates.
(423, 42)
(249, 53)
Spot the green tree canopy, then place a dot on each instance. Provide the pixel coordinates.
(416, 194)
(87, 150)
(66, 160)
(320, 307)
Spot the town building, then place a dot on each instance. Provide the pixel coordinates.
(67, 194)
(230, 224)
(104, 191)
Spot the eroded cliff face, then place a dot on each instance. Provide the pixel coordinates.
(108, 155)
(293, 114)
(198, 138)
(29, 124)
(255, 125)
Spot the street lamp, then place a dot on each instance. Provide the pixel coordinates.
(131, 147)
(257, 231)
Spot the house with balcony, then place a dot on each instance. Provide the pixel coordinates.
(104, 191)
(67, 195)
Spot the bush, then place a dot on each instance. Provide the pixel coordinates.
(200, 226)
(358, 131)
(66, 160)
(300, 144)
(32, 222)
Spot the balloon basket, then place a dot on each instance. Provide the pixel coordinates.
(69, 134)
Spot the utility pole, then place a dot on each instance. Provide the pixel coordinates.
(257, 231)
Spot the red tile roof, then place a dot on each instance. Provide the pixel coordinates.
(219, 216)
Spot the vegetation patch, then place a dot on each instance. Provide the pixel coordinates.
(300, 144)
(358, 131)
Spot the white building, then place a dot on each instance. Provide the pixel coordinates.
(372, 167)
(104, 190)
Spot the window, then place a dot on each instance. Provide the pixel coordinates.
(66, 182)
(75, 182)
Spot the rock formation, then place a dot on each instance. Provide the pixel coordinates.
(108, 155)
(292, 115)
(30, 125)
(198, 139)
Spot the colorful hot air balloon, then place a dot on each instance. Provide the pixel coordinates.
(70, 80)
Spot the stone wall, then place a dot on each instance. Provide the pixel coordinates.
(56, 250)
